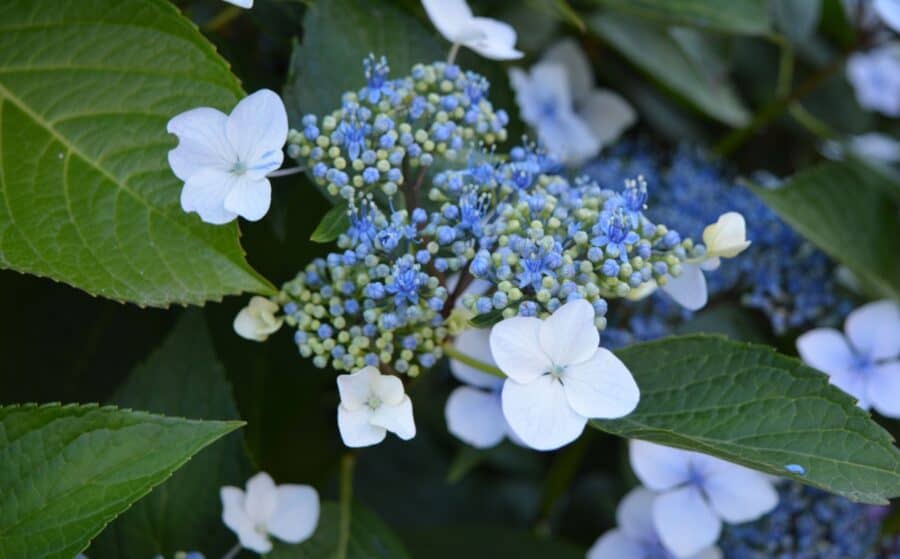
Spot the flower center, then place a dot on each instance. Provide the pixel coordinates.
(239, 168)
(374, 402)
(557, 372)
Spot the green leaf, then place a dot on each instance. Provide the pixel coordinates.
(182, 378)
(560, 9)
(86, 90)
(748, 17)
(749, 405)
(335, 222)
(323, 68)
(667, 58)
(486, 542)
(796, 19)
(488, 319)
(847, 210)
(68, 470)
(369, 538)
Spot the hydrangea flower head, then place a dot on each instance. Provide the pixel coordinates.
(864, 361)
(224, 159)
(287, 512)
(558, 376)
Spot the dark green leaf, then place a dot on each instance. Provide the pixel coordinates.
(486, 542)
(748, 17)
(488, 319)
(749, 405)
(796, 19)
(69, 470)
(847, 210)
(86, 89)
(335, 222)
(663, 55)
(369, 538)
(338, 35)
(182, 378)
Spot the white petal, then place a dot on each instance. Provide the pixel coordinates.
(257, 320)
(884, 389)
(491, 39)
(356, 429)
(569, 336)
(607, 115)
(567, 54)
(601, 387)
(874, 330)
(544, 87)
(889, 12)
(202, 142)
(258, 128)
(727, 237)
(516, 348)
(635, 514)
(388, 389)
(855, 383)
(684, 521)
(241, 3)
(356, 388)
(689, 288)
(249, 198)
(475, 417)
(825, 349)
(616, 545)
(297, 515)
(708, 553)
(659, 467)
(877, 147)
(740, 495)
(397, 418)
(234, 515)
(448, 16)
(476, 343)
(540, 414)
(261, 498)
(205, 193)
(246, 325)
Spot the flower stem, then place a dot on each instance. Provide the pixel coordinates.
(559, 478)
(454, 50)
(454, 353)
(286, 172)
(232, 553)
(222, 19)
(346, 494)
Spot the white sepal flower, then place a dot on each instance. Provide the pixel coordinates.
(636, 536)
(287, 512)
(258, 320)
(727, 237)
(875, 76)
(696, 493)
(488, 37)
(572, 118)
(889, 12)
(864, 361)
(224, 159)
(474, 413)
(558, 376)
(876, 147)
(241, 3)
(688, 288)
(371, 405)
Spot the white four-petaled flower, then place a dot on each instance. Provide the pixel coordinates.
(258, 319)
(636, 536)
(726, 238)
(558, 376)
(371, 405)
(488, 37)
(224, 159)
(875, 77)
(474, 412)
(572, 118)
(864, 361)
(288, 512)
(696, 493)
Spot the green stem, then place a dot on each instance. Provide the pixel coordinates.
(785, 67)
(346, 495)
(454, 353)
(814, 125)
(222, 19)
(233, 552)
(559, 477)
(454, 50)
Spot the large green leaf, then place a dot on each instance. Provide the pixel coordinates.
(182, 378)
(682, 66)
(369, 538)
(68, 470)
(749, 17)
(338, 34)
(847, 209)
(749, 405)
(86, 89)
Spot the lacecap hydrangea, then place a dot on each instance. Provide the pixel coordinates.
(784, 276)
(431, 207)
